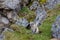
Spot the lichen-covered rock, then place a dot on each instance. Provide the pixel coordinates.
(56, 28)
(12, 4)
(22, 22)
(12, 16)
(51, 4)
(40, 17)
(34, 5)
(40, 14)
(39, 10)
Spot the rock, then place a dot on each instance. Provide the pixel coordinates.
(58, 1)
(4, 20)
(12, 16)
(51, 4)
(4, 23)
(40, 12)
(2, 0)
(56, 28)
(12, 4)
(1, 37)
(34, 5)
(40, 15)
(1, 3)
(34, 27)
(22, 22)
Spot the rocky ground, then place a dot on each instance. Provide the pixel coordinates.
(45, 35)
(17, 16)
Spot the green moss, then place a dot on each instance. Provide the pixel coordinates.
(26, 13)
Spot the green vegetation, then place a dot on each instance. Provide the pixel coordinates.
(26, 13)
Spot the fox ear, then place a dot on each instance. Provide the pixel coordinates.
(28, 27)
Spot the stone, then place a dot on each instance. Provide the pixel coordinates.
(34, 5)
(40, 12)
(12, 15)
(1, 37)
(22, 22)
(56, 28)
(40, 15)
(12, 4)
(34, 27)
(1, 3)
(4, 20)
(58, 1)
(51, 4)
